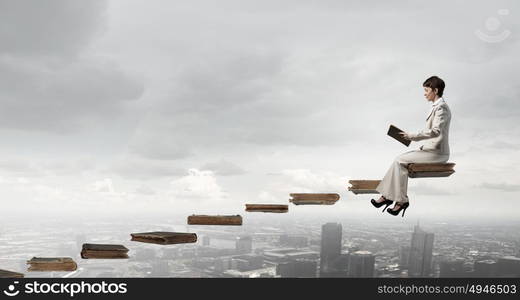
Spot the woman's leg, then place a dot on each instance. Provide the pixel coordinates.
(394, 185)
(421, 156)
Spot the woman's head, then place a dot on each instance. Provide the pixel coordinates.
(433, 88)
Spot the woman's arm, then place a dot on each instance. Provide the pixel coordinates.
(440, 118)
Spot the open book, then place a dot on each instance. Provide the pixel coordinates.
(394, 132)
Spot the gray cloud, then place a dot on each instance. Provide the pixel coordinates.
(38, 97)
(224, 167)
(258, 99)
(19, 167)
(505, 187)
(162, 145)
(48, 80)
(502, 145)
(52, 28)
(142, 169)
(425, 189)
(298, 85)
(145, 190)
(68, 167)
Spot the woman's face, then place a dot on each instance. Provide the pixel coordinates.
(430, 94)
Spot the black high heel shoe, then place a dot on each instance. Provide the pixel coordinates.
(379, 204)
(402, 206)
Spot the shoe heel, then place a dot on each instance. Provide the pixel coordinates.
(388, 204)
(404, 209)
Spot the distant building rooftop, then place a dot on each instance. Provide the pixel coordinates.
(363, 252)
(289, 253)
(511, 258)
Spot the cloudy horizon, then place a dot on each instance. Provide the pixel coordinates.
(132, 106)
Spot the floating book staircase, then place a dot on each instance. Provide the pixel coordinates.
(363, 186)
(312, 198)
(46, 264)
(214, 220)
(10, 274)
(104, 251)
(415, 170)
(267, 208)
(164, 238)
(111, 251)
(419, 170)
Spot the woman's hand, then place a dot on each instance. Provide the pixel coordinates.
(405, 135)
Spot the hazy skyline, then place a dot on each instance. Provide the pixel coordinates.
(201, 107)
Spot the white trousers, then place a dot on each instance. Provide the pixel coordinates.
(394, 185)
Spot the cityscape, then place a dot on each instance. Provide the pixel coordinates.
(122, 117)
(266, 246)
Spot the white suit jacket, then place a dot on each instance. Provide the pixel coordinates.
(437, 129)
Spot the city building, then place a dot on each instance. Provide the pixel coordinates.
(484, 268)
(293, 241)
(299, 268)
(361, 264)
(404, 257)
(421, 249)
(508, 266)
(452, 268)
(330, 251)
(276, 256)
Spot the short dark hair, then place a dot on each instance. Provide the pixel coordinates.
(435, 82)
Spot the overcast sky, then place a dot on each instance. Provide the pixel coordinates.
(203, 106)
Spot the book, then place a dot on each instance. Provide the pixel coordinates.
(10, 274)
(106, 251)
(364, 186)
(313, 198)
(421, 170)
(164, 238)
(267, 208)
(52, 264)
(214, 220)
(394, 132)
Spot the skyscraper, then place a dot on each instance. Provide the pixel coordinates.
(404, 256)
(361, 264)
(421, 248)
(330, 248)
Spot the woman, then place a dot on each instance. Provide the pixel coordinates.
(394, 185)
